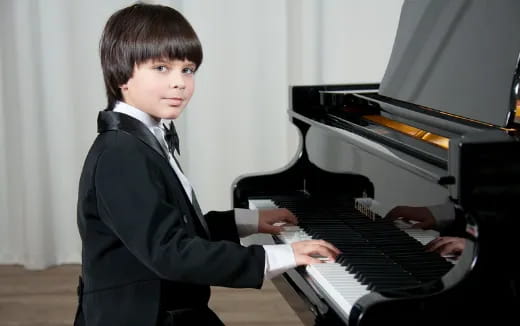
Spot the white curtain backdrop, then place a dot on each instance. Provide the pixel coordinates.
(51, 90)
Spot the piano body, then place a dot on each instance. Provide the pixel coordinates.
(441, 128)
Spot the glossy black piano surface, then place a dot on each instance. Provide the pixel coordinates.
(402, 146)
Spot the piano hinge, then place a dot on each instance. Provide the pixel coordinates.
(304, 189)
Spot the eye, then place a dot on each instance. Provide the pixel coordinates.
(161, 68)
(188, 70)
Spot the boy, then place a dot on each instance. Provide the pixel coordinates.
(149, 256)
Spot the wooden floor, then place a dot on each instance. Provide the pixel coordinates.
(45, 298)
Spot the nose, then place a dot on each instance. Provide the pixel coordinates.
(177, 80)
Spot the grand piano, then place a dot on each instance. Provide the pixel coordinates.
(441, 128)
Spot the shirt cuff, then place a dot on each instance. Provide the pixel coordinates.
(246, 221)
(278, 260)
(444, 214)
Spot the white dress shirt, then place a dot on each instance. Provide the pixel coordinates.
(278, 258)
(444, 214)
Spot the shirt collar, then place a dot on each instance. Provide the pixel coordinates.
(135, 113)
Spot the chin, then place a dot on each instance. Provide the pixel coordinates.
(175, 115)
(172, 114)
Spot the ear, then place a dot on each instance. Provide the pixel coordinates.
(124, 87)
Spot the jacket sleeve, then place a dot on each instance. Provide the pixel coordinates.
(222, 226)
(132, 201)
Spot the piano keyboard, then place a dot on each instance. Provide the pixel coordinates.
(376, 255)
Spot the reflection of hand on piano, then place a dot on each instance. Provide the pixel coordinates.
(447, 246)
(271, 220)
(422, 215)
(308, 252)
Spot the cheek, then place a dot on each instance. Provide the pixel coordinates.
(190, 88)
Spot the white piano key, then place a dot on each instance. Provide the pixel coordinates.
(423, 236)
(261, 204)
(331, 293)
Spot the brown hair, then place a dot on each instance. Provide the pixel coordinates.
(141, 32)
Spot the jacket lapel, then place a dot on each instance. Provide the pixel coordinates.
(109, 120)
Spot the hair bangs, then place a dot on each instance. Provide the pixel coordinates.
(168, 40)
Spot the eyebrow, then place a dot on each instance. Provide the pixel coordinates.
(157, 61)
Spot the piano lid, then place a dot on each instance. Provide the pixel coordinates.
(458, 57)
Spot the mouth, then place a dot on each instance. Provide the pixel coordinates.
(173, 101)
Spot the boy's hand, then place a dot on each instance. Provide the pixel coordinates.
(268, 217)
(309, 252)
(421, 215)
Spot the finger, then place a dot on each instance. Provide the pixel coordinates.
(322, 251)
(308, 260)
(452, 248)
(328, 245)
(280, 215)
(448, 249)
(444, 239)
(432, 244)
(276, 229)
(441, 250)
(308, 247)
(435, 244)
(286, 220)
(393, 214)
(272, 229)
(289, 217)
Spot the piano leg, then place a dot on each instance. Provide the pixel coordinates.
(298, 303)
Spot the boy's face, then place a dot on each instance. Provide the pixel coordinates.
(161, 88)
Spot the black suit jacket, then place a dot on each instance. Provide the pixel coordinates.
(144, 250)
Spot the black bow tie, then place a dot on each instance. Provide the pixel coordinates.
(172, 140)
